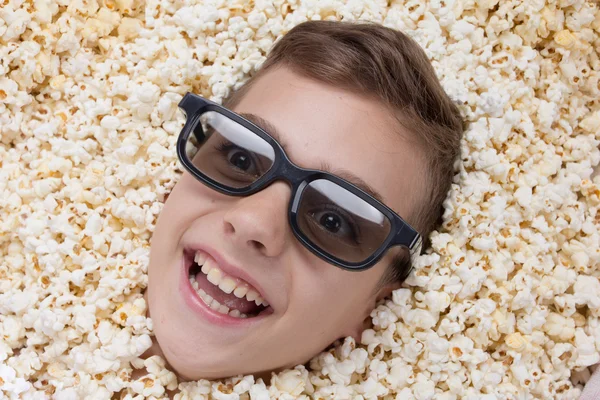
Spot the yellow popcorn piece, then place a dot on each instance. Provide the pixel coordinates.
(516, 341)
(565, 39)
(513, 268)
(129, 28)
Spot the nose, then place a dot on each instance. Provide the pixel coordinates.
(259, 221)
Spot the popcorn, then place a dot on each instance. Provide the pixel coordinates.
(16, 22)
(565, 39)
(505, 305)
(147, 386)
(110, 122)
(587, 352)
(586, 291)
(516, 341)
(10, 383)
(129, 28)
(290, 381)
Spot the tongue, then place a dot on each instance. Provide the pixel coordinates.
(243, 305)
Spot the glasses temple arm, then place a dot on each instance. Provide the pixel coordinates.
(190, 104)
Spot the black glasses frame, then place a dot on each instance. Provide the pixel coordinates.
(401, 233)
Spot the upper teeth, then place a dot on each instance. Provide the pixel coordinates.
(226, 283)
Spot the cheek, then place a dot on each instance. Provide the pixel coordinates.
(187, 202)
(189, 199)
(338, 296)
(337, 310)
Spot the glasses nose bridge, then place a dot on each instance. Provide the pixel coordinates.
(285, 170)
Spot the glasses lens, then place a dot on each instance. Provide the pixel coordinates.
(228, 152)
(341, 223)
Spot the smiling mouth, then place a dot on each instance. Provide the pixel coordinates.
(220, 292)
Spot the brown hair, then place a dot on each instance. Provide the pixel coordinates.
(373, 60)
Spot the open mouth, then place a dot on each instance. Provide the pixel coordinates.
(222, 293)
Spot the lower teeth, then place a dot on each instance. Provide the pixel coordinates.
(214, 304)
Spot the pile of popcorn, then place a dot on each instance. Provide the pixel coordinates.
(504, 305)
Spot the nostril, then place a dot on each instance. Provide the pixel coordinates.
(258, 245)
(229, 228)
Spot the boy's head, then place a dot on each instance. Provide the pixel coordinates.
(360, 100)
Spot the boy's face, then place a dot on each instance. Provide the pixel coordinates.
(313, 303)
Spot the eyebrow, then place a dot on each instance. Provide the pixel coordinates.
(326, 167)
(353, 179)
(266, 126)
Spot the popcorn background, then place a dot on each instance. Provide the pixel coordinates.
(505, 304)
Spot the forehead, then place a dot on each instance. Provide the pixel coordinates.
(321, 124)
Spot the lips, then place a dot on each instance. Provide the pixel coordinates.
(227, 284)
(226, 301)
(198, 306)
(206, 268)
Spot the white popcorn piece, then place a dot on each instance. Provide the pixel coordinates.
(557, 325)
(148, 386)
(10, 383)
(587, 291)
(290, 381)
(587, 352)
(591, 123)
(110, 122)
(514, 270)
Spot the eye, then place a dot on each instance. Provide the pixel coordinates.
(336, 223)
(331, 222)
(237, 157)
(240, 159)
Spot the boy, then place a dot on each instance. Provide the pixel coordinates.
(259, 262)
